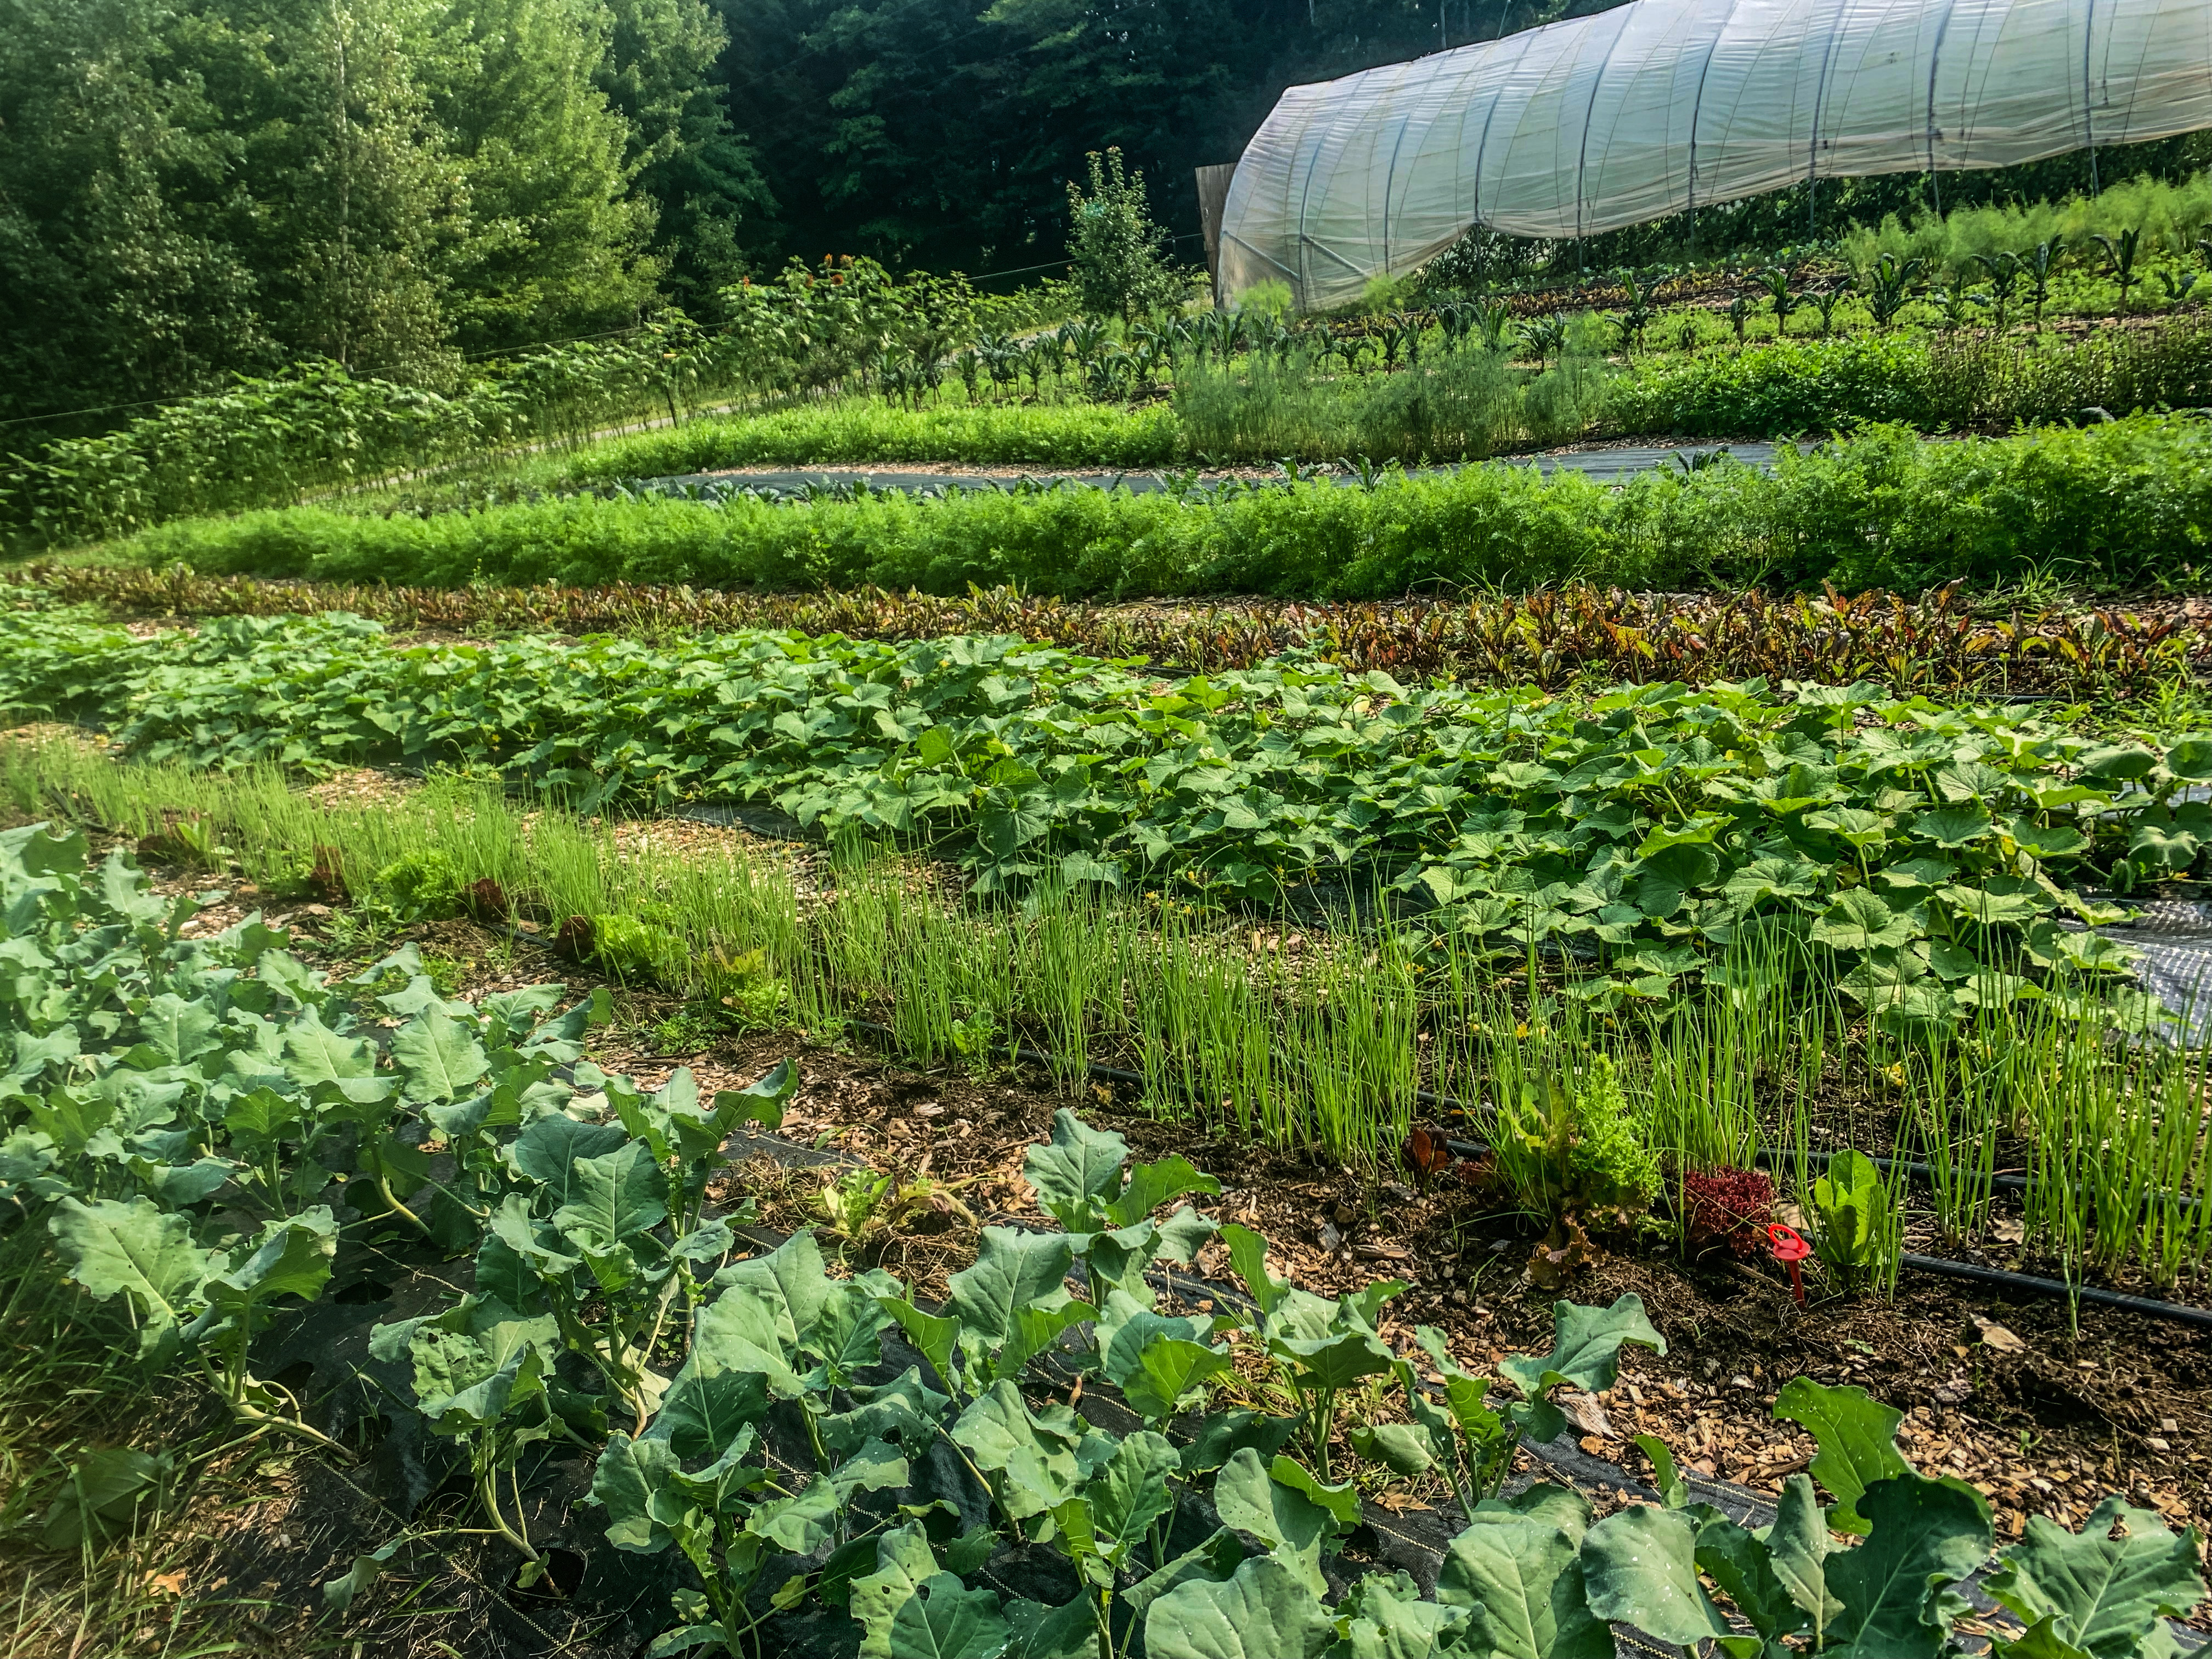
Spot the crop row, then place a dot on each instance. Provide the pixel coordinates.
(1317, 1033)
(1273, 390)
(2122, 504)
(1242, 398)
(1470, 404)
(1931, 854)
(1546, 639)
(210, 1131)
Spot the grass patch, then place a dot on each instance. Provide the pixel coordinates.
(110, 1481)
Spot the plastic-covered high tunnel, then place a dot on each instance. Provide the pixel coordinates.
(1660, 105)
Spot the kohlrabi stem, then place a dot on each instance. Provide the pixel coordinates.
(384, 1188)
(521, 1520)
(488, 1495)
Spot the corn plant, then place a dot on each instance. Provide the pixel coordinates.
(1545, 337)
(1827, 298)
(1781, 298)
(2005, 271)
(1890, 285)
(2036, 266)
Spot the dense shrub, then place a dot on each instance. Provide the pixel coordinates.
(2120, 504)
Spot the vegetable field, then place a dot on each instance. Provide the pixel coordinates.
(2120, 506)
(1985, 322)
(1453, 1064)
(1929, 854)
(1296, 1020)
(212, 1131)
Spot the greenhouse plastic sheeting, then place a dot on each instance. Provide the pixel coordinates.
(1660, 105)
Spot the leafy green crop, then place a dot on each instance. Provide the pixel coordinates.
(2119, 505)
(202, 1125)
(1926, 856)
(199, 1119)
(1857, 1225)
(1573, 634)
(422, 886)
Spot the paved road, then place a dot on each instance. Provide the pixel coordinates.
(1609, 466)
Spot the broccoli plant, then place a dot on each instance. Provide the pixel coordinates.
(731, 1515)
(1321, 1347)
(1470, 1442)
(2103, 1591)
(483, 1377)
(205, 1303)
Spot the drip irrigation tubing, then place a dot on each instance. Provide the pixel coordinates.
(1995, 1277)
(1924, 1174)
(1999, 1278)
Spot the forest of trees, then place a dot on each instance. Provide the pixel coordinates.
(194, 188)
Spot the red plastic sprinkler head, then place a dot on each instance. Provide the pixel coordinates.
(1790, 1249)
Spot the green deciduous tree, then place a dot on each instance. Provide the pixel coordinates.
(217, 186)
(120, 283)
(659, 74)
(1118, 254)
(358, 203)
(558, 241)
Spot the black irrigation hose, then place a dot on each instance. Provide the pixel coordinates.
(1917, 1171)
(1998, 1278)
(1922, 1173)
(1995, 1277)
